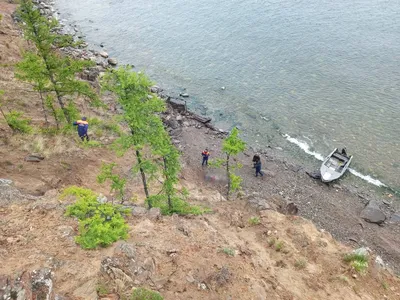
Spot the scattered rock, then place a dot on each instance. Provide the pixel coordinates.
(237, 220)
(372, 213)
(102, 199)
(103, 54)
(112, 61)
(201, 119)
(362, 251)
(315, 175)
(34, 158)
(125, 249)
(172, 123)
(154, 213)
(259, 204)
(42, 284)
(177, 104)
(185, 95)
(139, 211)
(379, 263)
(155, 89)
(395, 218)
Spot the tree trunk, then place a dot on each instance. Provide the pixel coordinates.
(166, 178)
(146, 190)
(228, 175)
(53, 81)
(44, 109)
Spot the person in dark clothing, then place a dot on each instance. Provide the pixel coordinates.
(83, 126)
(205, 155)
(256, 158)
(258, 168)
(344, 151)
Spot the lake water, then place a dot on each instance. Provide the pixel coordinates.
(316, 74)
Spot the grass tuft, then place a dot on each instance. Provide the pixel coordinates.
(254, 221)
(359, 262)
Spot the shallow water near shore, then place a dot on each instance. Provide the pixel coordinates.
(325, 74)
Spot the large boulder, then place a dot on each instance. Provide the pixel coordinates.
(177, 104)
(37, 284)
(372, 213)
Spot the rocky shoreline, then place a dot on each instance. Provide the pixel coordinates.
(178, 117)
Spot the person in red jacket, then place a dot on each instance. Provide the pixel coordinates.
(205, 155)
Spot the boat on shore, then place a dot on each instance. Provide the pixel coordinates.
(334, 166)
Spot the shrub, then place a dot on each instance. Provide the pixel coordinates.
(358, 261)
(279, 246)
(254, 221)
(229, 251)
(179, 206)
(300, 264)
(17, 122)
(144, 294)
(271, 242)
(100, 224)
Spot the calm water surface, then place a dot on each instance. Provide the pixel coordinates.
(325, 72)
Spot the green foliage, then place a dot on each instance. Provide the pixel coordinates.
(254, 221)
(231, 146)
(101, 290)
(144, 294)
(141, 113)
(279, 246)
(100, 126)
(178, 206)
(90, 144)
(100, 224)
(358, 261)
(49, 72)
(235, 182)
(17, 122)
(228, 251)
(117, 182)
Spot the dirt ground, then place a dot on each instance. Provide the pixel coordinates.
(216, 256)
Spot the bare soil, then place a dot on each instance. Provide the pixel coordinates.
(216, 256)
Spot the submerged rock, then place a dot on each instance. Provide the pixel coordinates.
(372, 213)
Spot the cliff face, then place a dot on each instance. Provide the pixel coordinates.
(239, 251)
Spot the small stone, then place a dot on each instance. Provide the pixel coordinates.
(112, 61)
(139, 211)
(154, 213)
(103, 54)
(354, 276)
(185, 95)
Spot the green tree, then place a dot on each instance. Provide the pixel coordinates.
(140, 112)
(45, 67)
(231, 147)
(117, 182)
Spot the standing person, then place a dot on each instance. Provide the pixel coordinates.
(256, 158)
(258, 168)
(83, 126)
(205, 155)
